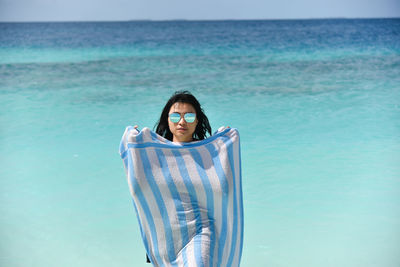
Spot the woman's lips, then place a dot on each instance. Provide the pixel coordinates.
(182, 129)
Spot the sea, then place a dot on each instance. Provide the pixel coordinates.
(316, 103)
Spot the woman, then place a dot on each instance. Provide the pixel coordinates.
(183, 119)
(186, 187)
(172, 123)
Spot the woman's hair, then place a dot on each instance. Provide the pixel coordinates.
(203, 126)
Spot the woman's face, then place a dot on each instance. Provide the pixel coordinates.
(182, 131)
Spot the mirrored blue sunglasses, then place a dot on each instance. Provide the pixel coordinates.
(176, 117)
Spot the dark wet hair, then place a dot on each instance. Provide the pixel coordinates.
(203, 126)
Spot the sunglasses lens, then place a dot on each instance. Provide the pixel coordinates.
(175, 117)
(190, 117)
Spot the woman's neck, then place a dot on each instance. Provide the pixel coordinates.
(174, 139)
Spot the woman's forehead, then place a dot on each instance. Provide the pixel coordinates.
(182, 107)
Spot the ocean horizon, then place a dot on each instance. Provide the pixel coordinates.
(199, 20)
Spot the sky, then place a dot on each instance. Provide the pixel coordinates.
(121, 10)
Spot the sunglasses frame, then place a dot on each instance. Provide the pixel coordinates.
(185, 117)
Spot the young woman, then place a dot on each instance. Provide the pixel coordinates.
(183, 119)
(186, 187)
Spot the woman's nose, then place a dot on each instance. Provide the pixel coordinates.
(182, 121)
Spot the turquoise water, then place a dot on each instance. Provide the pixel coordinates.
(317, 104)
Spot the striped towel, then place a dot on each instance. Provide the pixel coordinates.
(187, 197)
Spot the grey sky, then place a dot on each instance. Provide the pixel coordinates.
(94, 10)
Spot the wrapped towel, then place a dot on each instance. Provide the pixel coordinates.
(187, 197)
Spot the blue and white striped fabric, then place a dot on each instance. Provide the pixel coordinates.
(187, 197)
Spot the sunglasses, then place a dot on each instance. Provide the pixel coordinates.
(176, 117)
